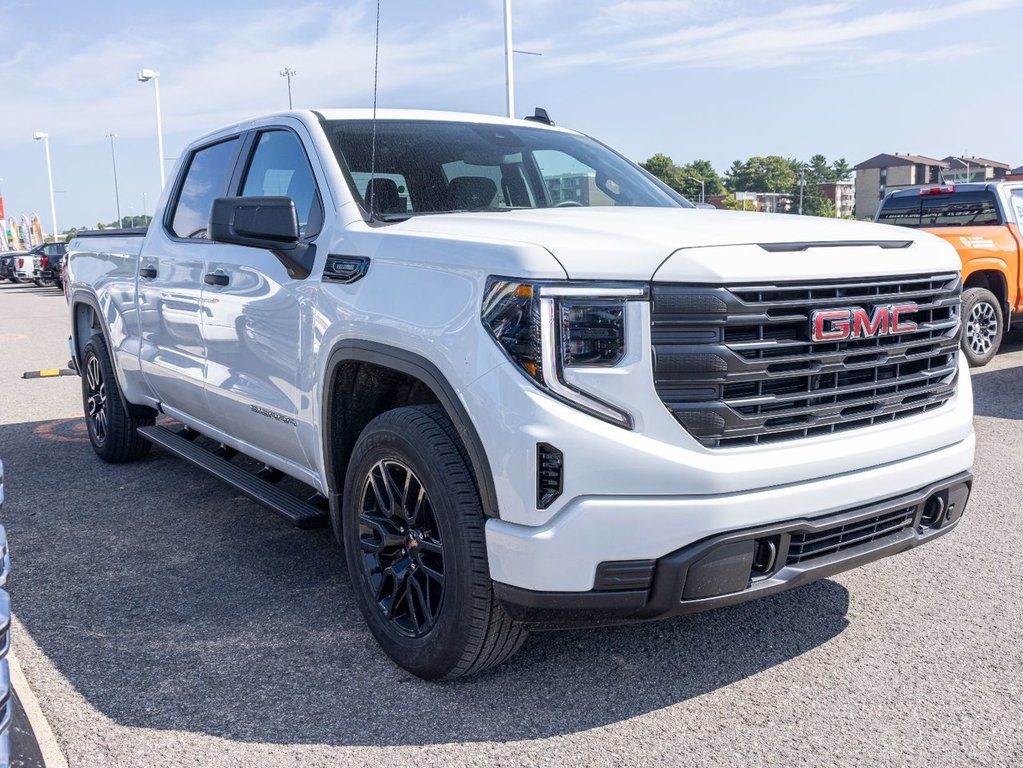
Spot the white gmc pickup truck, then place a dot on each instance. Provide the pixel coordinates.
(527, 384)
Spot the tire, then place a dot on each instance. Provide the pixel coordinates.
(112, 429)
(43, 282)
(436, 630)
(983, 326)
(15, 280)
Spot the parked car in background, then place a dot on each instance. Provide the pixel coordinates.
(17, 266)
(47, 260)
(984, 223)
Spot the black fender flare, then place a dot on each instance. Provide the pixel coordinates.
(411, 364)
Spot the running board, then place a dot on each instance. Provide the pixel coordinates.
(299, 513)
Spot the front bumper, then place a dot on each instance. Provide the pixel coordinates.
(744, 564)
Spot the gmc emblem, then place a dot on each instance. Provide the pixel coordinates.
(857, 323)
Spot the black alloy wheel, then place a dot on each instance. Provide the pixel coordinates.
(112, 423)
(96, 399)
(402, 552)
(413, 531)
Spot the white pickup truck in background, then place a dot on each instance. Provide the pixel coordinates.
(527, 384)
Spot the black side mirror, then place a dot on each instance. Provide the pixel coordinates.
(263, 222)
(259, 222)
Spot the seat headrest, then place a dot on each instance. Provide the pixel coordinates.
(472, 192)
(382, 196)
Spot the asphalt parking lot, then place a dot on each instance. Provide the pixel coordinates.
(162, 620)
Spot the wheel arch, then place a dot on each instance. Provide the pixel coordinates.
(339, 435)
(992, 280)
(86, 319)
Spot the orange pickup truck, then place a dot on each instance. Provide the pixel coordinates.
(984, 222)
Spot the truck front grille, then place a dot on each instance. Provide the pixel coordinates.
(736, 365)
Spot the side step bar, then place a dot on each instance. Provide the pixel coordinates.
(299, 513)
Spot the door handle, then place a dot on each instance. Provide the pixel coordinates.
(148, 271)
(216, 278)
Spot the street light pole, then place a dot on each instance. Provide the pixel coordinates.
(802, 183)
(144, 76)
(703, 187)
(289, 73)
(509, 74)
(113, 160)
(45, 137)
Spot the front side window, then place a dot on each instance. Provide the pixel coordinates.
(209, 171)
(280, 168)
(443, 167)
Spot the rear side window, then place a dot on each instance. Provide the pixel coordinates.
(280, 167)
(209, 171)
(959, 209)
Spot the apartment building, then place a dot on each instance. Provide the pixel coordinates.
(882, 173)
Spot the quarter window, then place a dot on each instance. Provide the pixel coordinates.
(209, 171)
(280, 168)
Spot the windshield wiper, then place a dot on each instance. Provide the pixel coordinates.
(408, 215)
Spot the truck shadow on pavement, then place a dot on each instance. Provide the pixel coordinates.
(998, 392)
(170, 603)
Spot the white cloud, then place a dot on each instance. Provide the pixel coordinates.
(226, 68)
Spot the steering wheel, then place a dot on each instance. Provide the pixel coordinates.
(568, 204)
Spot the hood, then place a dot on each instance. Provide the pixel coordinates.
(635, 243)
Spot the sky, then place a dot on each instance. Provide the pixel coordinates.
(713, 79)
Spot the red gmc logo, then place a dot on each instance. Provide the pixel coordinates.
(857, 323)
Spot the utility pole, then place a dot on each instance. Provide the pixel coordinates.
(802, 183)
(289, 73)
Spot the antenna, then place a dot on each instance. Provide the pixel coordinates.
(373, 144)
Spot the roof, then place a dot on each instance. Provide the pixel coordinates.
(312, 116)
(962, 162)
(974, 186)
(887, 161)
(1017, 171)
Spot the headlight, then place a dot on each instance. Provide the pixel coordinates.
(547, 327)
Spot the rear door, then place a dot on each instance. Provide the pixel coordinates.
(258, 321)
(170, 281)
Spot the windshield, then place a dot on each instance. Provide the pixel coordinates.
(425, 166)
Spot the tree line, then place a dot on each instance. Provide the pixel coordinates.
(773, 174)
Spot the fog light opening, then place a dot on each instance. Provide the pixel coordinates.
(934, 515)
(765, 553)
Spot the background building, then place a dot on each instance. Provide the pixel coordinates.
(842, 195)
(883, 173)
(965, 169)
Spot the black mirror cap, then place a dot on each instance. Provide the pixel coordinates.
(259, 222)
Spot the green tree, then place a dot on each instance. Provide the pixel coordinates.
(840, 170)
(735, 176)
(664, 168)
(691, 174)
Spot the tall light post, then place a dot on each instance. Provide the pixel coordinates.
(145, 75)
(509, 75)
(703, 187)
(113, 160)
(289, 73)
(45, 138)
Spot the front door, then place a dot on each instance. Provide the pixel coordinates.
(170, 281)
(257, 320)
